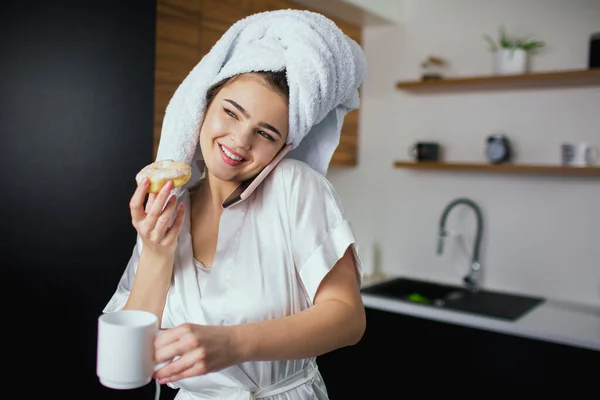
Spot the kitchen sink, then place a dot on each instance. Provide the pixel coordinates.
(504, 306)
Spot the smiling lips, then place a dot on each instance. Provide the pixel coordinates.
(230, 157)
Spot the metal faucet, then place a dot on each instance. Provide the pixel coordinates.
(472, 277)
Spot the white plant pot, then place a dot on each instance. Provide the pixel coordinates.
(510, 62)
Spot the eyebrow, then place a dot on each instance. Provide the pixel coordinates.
(261, 124)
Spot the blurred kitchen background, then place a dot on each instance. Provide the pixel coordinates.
(83, 90)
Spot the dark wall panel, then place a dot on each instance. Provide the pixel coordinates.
(76, 119)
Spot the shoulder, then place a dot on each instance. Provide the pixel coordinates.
(291, 174)
(291, 165)
(292, 170)
(294, 181)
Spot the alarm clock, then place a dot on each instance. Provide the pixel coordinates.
(497, 149)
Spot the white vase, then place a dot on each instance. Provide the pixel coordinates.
(510, 62)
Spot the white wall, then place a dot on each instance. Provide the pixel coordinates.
(542, 233)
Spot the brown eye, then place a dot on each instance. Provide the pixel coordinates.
(266, 135)
(230, 113)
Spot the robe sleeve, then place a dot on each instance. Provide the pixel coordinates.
(320, 230)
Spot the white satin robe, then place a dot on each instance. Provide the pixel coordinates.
(273, 250)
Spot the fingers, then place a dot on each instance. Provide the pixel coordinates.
(151, 198)
(136, 204)
(165, 217)
(175, 341)
(183, 352)
(190, 364)
(175, 228)
(152, 220)
(156, 209)
(165, 337)
(169, 349)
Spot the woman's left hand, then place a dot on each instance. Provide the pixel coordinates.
(200, 349)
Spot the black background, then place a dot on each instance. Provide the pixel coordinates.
(76, 120)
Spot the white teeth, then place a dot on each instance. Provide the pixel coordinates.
(230, 155)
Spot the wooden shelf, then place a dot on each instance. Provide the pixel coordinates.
(567, 78)
(501, 168)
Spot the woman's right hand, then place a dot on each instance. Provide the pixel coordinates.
(152, 222)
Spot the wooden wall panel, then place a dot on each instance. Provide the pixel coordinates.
(178, 40)
(187, 30)
(218, 16)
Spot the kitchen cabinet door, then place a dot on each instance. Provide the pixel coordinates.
(399, 351)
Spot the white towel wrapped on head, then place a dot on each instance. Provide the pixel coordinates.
(324, 70)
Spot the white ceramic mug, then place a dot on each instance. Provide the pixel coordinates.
(125, 349)
(578, 154)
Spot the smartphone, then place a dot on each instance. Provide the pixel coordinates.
(247, 187)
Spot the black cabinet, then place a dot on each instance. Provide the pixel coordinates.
(399, 351)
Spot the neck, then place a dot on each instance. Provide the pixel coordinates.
(216, 190)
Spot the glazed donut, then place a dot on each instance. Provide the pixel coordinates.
(159, 172)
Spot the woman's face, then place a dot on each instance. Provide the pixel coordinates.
(244, 127)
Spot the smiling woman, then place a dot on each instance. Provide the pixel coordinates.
(248, 293)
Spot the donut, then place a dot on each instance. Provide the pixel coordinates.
(159, 172)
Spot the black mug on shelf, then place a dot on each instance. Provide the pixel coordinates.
(424, 151)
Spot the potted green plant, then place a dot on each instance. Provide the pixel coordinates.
(511, 53)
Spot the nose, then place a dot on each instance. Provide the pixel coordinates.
(242, 137)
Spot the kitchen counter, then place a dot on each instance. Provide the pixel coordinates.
(552, 321)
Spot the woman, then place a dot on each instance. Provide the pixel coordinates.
(248, 293)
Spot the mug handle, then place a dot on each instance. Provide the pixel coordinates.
(162, 364)
(412, 151)
(156, 368)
